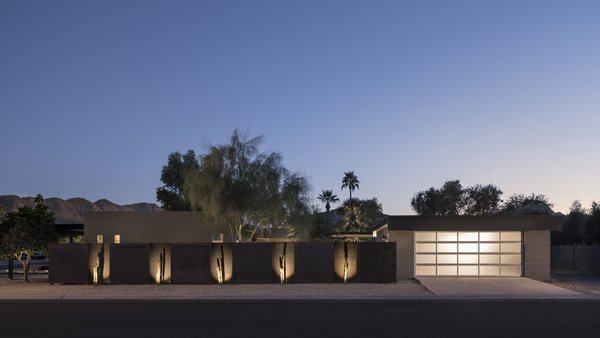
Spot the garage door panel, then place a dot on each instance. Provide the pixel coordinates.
(425, 270)
(425, 259)
(446, 259)
(510, 270)
(446, 236)
(447, 270)
(425, 247)
(468, 236)
(510, 259)
(489, 236)
(468, 253)
(489, 259)
(468, 259)
(468, 247)
(446, 247)
(510, 247)
(489, 247)
(468, 270)
(489, 270)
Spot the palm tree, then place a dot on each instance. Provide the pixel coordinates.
(350, 181)
(328, 197)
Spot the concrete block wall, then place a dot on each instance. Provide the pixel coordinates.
(536, 254)
(405, 253)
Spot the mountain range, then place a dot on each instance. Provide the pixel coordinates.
(71, 210)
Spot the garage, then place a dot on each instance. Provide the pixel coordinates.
(468, 253)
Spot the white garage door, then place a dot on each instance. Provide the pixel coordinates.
(471, 254)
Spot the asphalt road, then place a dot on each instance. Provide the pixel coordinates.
(301, 318)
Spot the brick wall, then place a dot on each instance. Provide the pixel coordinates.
(536, 255)
(405, 253)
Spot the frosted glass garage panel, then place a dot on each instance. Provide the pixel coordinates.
(468, 259)
(468, 270)
(489, 259)
(425, 259)
(510, 247)
(446, 247)
(422, 236)
(489, 270)
(489, 247)
(468, 247)
(489, 236)
(511, 236)
(468, 236)
(510, 270)
(425, 247)
(447, 270)
(446, 236)
(446, 259)
(510, 259)
(425, 270)
(468, 253)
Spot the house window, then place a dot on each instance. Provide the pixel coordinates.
(117, 239)
(99, 239)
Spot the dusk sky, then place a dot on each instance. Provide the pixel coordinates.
(408, 94)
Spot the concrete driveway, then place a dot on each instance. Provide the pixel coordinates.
(495, 287)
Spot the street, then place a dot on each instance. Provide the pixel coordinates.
(301, 318)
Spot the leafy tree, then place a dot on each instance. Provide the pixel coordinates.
(427, 202)
(533, 204)
(360, 214)
(246, 189)
(371, 210)
(573, 226)
(27, 231)
(482, 200)
(592, 226)
(450, 199)
(350, 181)
(171, 195)
(320, 224)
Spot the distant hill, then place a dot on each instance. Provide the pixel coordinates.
(71, 210)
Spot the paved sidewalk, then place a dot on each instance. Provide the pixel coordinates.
(496, 287)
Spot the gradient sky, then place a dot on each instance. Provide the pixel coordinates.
(408, 94)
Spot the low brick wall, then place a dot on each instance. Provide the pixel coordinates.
(576, 257)
(405, 253)
(536, 254)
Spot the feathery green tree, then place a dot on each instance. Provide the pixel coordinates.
(237, 185)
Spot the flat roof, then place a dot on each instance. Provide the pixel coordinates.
(475, 223)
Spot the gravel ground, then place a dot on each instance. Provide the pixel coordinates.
(577, 281)
(39, 288)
